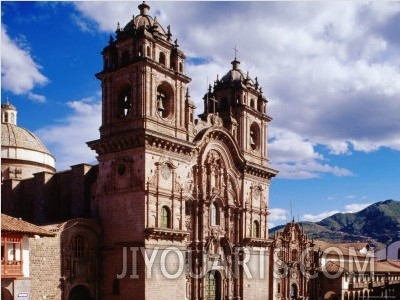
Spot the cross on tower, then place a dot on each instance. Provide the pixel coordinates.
(236, 51)
(214, 103)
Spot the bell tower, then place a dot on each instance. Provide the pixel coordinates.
(143, 80)
(240, 102)
(143, 153)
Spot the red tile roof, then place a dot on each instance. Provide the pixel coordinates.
(387, 266)
(342, 248)
(362, 266)
(15, 225)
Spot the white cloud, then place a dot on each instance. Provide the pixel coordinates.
(277, 215)
(79, 127)
(106, 14)
(287, 146)
(349, 208)
(19, 72)
(295, 157)
(356, 207)
(318, 217)
(332, 82)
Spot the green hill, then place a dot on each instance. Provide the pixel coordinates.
(378, 224)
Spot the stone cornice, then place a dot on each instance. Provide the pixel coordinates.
(116, 143)
(164, 142)
(166, 234)
(259, 171)
(256, 242)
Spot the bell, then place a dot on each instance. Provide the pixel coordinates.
(160, 106)
(252, 143)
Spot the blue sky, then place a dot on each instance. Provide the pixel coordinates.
(330, 70)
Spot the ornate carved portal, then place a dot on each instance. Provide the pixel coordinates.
(216, 220)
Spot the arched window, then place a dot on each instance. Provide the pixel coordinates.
(356, 296)
(125, 102)
(212, 285)
(294, 255)
(256, 229)
(252, 103)
(214, 214)
(148, 51)
(293, 291)
(260, 106)
(165, 217)
(164, 102)
(180, 67)
(254, 136)
(161, 103)
(78, 246)
(398, 254)
(172, 62)
(161, 59)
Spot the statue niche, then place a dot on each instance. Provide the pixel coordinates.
(216, 174)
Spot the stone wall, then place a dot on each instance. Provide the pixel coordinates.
(45, 267)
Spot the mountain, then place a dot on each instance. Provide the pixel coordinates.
(378, 224)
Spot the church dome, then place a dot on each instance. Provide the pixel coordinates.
(18, 137)
(22, 152)
(237, 76)
(7, 105)
(145, 21)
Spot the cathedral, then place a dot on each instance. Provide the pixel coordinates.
(182, 203)
(172, 189)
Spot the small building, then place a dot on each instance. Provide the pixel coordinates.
(348, 271)
(302, 268)
(67, 266)
(15, 256)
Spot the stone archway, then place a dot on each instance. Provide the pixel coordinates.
(6, 294)
(330, 295)
(294, 291)
(79, 292)
(212, 286)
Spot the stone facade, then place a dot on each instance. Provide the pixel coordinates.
(295, 263)
(50, 197)
(45, 256)
(182, 202)
(70, 261)
(197, 189)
